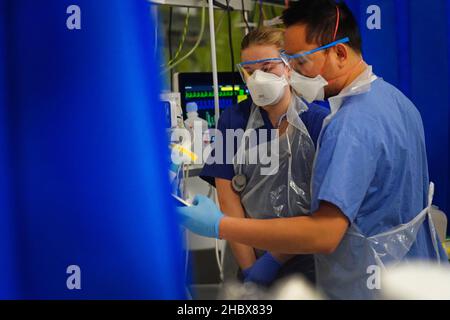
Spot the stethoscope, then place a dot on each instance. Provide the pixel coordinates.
(239, 181)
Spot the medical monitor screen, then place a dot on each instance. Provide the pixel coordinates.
(198, 88)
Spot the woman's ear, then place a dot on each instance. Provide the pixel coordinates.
(287, 71)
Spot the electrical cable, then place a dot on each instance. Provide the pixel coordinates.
(243, 15)
(181, 169)
(263, 10)
(199, 39)
(169, 37)
(230, 36)
(219, 260)
(230, 40)
(220, 23)
(273, 12)
(253, 17)
(219, 257)
(183, 38)
(261, 14)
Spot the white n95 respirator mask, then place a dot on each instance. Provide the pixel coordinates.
(265, 88)
(311, 89)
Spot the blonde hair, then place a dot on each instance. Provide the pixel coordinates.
(264, 36)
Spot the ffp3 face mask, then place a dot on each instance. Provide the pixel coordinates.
(311, 89)
(265, 88)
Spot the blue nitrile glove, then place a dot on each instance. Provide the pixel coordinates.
(246, 272)
(263, 271)
(203, 217)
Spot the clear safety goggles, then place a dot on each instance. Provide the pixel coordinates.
(302, 62)
(270, 65)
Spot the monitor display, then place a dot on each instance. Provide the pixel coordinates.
(198, 87)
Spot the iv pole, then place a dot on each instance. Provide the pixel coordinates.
(212, 33)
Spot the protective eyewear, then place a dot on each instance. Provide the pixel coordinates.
(270, 65)
(302, 61)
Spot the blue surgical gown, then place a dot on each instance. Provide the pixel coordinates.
(372, 164)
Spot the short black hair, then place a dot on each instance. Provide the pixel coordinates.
(320, 16)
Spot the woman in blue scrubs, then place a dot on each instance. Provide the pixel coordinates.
(286, 193)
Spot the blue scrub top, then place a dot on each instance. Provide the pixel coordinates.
(372, 164)
(237, 117)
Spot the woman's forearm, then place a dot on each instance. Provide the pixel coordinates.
(244, 255)
(230, 205)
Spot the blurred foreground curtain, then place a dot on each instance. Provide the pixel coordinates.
(83, 179)
(412, 51)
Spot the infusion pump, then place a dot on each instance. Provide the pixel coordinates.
(171, 102)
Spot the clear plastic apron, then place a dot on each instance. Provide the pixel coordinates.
(345, 274)
(285, 192)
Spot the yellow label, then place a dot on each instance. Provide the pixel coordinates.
(185, 151)
(242, 98)
(446, 245)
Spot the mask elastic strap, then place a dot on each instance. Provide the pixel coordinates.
(338, 19)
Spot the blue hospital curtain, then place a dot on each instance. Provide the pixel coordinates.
(83, 153)
(412, 51)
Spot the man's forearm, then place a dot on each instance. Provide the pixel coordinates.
(266, 235)
(319, 233)
(282, 257)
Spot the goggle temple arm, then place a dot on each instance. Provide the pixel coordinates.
(243, 72)
(304, 54)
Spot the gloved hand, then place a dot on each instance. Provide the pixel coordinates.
(246, 272)
(263, 271)
(203, 217)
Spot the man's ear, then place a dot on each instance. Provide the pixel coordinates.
(341, 52)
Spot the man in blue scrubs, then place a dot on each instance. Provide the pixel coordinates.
(370, 174)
